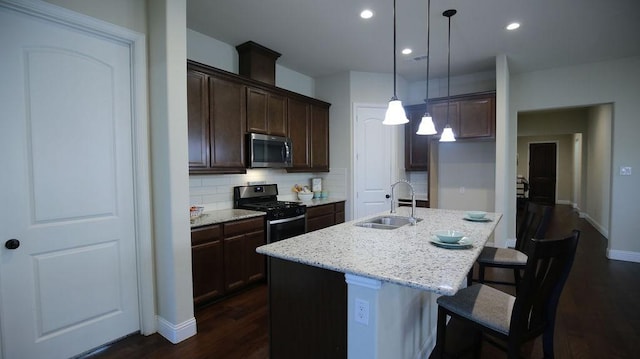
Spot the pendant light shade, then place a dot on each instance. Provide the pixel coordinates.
(426, 124)
(447, 133)
(395, 112)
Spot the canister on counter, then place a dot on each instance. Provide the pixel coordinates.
(316, 187)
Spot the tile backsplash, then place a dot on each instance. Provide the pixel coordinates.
(216, 191)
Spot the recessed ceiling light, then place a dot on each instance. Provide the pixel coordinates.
(513, 26)
(366, 14)
(406, 51)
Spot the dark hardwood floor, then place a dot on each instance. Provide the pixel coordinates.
(598, 314)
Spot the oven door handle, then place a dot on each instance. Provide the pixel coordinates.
(285, 220)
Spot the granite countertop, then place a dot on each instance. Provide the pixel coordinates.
(402, 256)
(223, 215)
(320, 201)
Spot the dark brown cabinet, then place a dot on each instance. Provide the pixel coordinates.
(266, 112)
(471, 117)
(416, 147)
(216, 122)
(325, 215)
(440, 119)
(224, 258)
(478, 117)
(298, 119)
(208, 263)
(223, 107)
(309, 132)
(241, 262)
(320, 138)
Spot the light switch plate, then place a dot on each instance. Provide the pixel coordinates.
(625, 171)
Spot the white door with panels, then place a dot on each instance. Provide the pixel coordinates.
(68, 270)
(373, 147)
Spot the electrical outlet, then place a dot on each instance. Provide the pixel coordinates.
(462, 190)
(625, 171)
(362, 311)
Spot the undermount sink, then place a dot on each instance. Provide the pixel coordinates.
(387, 222)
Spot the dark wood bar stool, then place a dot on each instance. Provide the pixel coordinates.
(507, 321)
(534, 224)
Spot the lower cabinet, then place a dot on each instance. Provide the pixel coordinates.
(208, 263)
(224, 258)
(241, 262)
(325, 215)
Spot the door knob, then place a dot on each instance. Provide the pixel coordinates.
(12, 244)
(387, 196)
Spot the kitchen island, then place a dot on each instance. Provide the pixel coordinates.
(349, 291)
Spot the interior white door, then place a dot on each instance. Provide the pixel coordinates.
(66, 189)
(373, 161)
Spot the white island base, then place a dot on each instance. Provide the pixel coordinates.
(387, 320)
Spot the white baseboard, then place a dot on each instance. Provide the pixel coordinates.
(626, 256)
(175, 333)
(564, 201)
(604, 231)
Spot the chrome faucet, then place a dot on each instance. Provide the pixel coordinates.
(413, 200)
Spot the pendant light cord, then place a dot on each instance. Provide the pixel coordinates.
(426, 100)
(449, 14)
(395, 96)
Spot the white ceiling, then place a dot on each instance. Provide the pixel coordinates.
(324, 37)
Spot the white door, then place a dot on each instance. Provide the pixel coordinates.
(66, 190)
(373, 143)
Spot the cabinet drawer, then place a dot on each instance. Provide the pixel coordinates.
(320, 210)
(206, 234)
(339, 207)
(243, 226)
(324, 221)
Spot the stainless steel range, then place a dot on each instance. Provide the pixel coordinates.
(284, 219)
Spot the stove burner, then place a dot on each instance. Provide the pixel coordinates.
(264, 198)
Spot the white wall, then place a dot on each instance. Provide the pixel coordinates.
(169, 164)
(616, 82)
(598, 179)
(466, 175)
(215, 53)
(335, 90)
(578, 171)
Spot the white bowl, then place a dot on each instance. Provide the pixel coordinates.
(449, 236)
(476, 214)
(305, 196)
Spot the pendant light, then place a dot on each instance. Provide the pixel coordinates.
(447, 133)
(426, 124)
(395, 112)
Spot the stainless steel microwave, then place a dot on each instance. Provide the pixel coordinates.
(266, 151)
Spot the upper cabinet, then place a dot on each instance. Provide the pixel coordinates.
(416, 147)
(478, 117)
(308, 124)
(471, 117)
(216, 122)
(223, 107)
(266, 112)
